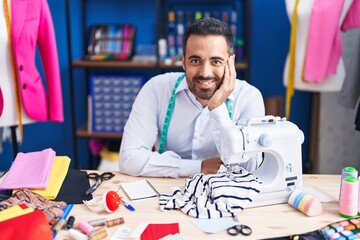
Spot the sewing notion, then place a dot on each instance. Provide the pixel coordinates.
(280, 142)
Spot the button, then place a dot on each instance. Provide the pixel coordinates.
(24, 86)
(21, 67)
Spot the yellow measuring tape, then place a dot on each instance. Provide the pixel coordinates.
(13, 65)
(291, 73)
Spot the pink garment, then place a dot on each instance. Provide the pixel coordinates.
(1, 102)
(352, 19)
(32, 27)
(29, 170)
(324, 44)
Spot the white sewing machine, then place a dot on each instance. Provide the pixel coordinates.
(280, 141)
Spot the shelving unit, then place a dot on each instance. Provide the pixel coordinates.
(86, 65)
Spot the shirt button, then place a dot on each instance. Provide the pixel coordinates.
(24, 86)
(21, 67)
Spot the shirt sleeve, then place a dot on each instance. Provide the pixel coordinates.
(136, 151)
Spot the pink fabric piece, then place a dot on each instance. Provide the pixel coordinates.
(30, 170)
(324, 45)
(352, 19)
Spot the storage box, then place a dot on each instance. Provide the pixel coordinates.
(110, 101)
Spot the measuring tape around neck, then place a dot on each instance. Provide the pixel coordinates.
(170, 108)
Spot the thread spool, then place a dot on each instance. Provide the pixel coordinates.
(58, 226)
(85, 227)
(75, 234)
(347, 171)
(114, 222)
(70, 222)
(98, 234)
(305, 203)
(98, 222)
(348, 206)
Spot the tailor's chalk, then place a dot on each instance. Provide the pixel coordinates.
(70, 222)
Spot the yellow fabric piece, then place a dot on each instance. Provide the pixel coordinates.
(290, 85)
(14, 211)
(108, 155)
(57, 176)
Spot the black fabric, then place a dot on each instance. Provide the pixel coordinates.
(74, 187)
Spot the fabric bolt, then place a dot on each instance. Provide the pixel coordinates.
(213, 195)
(30, 170)
(51, 209)
(190, 139)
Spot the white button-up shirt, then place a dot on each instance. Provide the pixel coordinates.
(194, 131)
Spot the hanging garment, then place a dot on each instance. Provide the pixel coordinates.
(324, 44)
(350, 92)
(357, 119)
(213, 195)
(352, 19)
(32, 27)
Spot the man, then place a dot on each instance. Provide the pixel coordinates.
(182, 114)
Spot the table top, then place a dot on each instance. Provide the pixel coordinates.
(267, 221)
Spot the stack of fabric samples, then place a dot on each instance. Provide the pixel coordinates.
(41, 172)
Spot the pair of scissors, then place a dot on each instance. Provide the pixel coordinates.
(99, 179)
(239, 228)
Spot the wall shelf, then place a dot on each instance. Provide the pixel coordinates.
(131, 64)
(84, 132)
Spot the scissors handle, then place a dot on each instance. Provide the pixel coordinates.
(237, 229)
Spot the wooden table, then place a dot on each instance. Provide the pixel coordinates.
(268, 221)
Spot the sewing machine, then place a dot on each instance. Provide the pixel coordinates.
(280, 142)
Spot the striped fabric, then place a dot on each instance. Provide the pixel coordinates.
(213, 195)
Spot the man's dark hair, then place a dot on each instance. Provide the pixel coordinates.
(209, 26)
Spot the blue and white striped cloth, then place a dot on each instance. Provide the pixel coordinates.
(213, 195)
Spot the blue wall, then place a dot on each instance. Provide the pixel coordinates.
(270, 36)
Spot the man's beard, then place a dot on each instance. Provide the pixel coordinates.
(204, 94)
